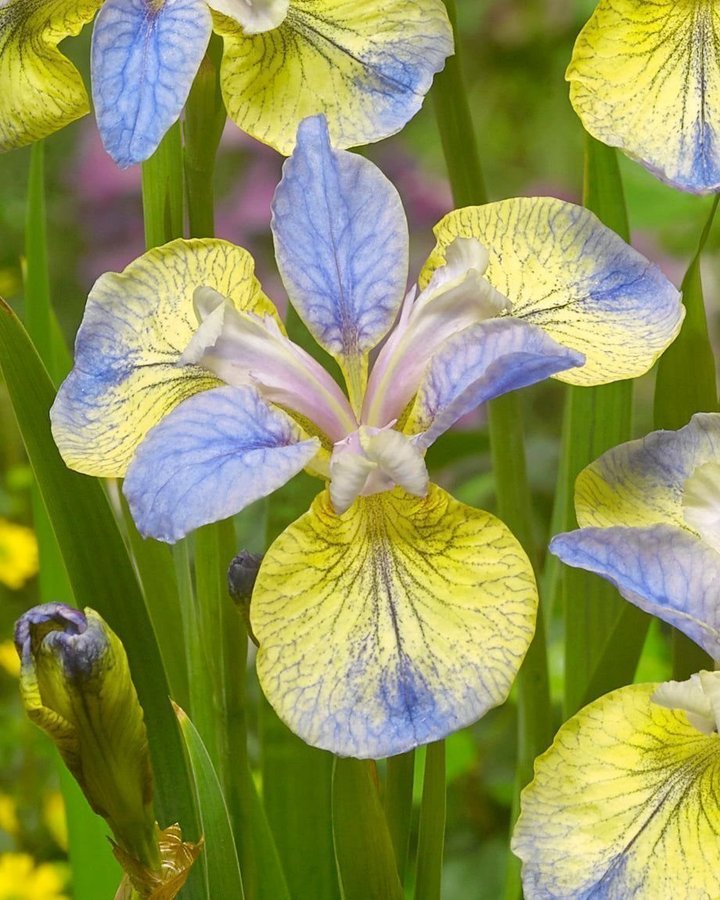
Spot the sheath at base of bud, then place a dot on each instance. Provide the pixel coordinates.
(242, 576)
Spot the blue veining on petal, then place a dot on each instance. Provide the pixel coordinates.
(212, 456)
(144, 58)
(341, 243)
(666, 571)
(482, 362)
(401, 74)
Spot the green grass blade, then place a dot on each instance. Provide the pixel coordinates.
(95, 870)
(431, 838)
(222, 866)
(452, 110)
(686, 384)
(596, 419)
(156, 570)
(514, 499)
(398, 803)
(365, 855)
(297, 786)
(162, 190)
(98, 567)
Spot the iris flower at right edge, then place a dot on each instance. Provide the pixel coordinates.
(626, 803)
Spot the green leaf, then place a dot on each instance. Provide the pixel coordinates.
(297, 782)
(596, 419)
(99, 569)
(223, 869)
(686, 384)
(365, 855)
(398, 804)
(431, 838)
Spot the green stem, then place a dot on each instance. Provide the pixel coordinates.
(506, 435)
(457, 133)
(203, 127)
(162, 191)
(431, 836)
(683, 389)
(604, 635)
(95, 870)
(398, 805)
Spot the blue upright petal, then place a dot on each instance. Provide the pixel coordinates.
(480, 363)
(212, 456)
(341, 243)
(664, 570)
(145, 55)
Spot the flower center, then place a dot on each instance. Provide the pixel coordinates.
(699, 698)
(701, 503)
(372, 460)
(255, 16)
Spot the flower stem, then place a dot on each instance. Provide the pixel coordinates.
(431, 837)
(506, 434)
(398, 805)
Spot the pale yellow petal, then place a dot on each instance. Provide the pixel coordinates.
(626, 803)
(40, 89)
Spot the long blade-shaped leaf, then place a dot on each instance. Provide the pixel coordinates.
(686, 384)
(98, 567)
(597, 418)
(223, 869)
(365, 855)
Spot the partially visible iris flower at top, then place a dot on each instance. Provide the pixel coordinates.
(626, 803)
(645, 77)
(366, 65)
(389, 615)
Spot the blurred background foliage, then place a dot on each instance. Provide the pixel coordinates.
(514, 53)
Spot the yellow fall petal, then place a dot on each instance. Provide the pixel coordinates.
(645, 77)
(367, 66)
(40, 90)
(565, 272)
(626, 803)
(641, 483)
(392, 625)
(136, 326)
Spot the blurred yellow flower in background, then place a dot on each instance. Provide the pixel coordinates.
(18, 554)
(8, 815)
(9, 659)
(55, 818)
(22, 879)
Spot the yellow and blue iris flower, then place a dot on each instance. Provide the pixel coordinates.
(367, 66)
(388, 615)
(645, 77)
(625, 802)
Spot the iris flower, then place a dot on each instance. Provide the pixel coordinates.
(390, 614)
(645, 77)
(367, 66)
(625, 803)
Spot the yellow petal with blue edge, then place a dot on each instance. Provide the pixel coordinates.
(645, 77)
(392, 625)
(40, 89)
(641, 483)
(564, 271)
(367, 66)
(137, 324)
(626, 803)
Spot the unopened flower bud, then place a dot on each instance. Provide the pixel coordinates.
(242, 576)
(75, 684)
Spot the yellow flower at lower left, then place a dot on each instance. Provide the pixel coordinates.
(18, 554)
(22, 879)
